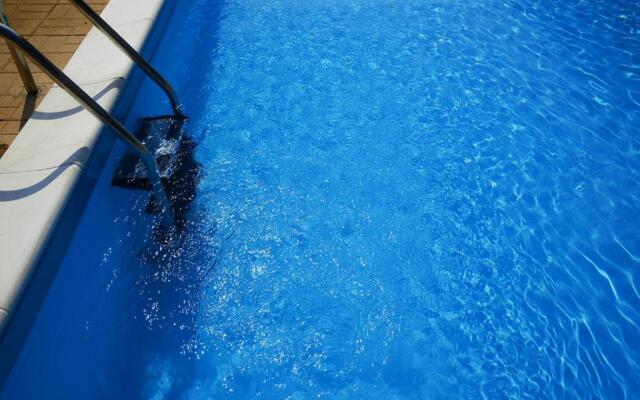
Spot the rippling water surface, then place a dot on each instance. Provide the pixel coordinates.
(398, 199)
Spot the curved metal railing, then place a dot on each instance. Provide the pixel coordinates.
(94, 108)
(21, 64)
(119, 41)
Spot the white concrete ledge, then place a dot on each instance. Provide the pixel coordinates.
(41, 168)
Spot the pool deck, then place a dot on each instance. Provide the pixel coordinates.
(42, 185)
(56, 28)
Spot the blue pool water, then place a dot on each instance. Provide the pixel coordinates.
(398, 200)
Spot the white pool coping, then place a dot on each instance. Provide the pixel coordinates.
(42, 166)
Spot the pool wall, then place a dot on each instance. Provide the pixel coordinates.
(47, 175)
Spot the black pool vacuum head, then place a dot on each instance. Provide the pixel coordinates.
(163, 136)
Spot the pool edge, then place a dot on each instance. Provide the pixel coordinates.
(47, 175)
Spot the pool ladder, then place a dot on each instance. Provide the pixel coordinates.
(16, 40)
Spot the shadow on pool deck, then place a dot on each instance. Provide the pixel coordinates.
(56, 29)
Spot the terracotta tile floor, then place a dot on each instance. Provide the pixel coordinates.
(56, 29)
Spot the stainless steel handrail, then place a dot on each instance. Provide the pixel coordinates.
(18, 59)
(119, 41)
(94, 108)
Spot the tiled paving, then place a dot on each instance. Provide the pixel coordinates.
(56, 29)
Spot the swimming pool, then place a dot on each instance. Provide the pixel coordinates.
(417, 199)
